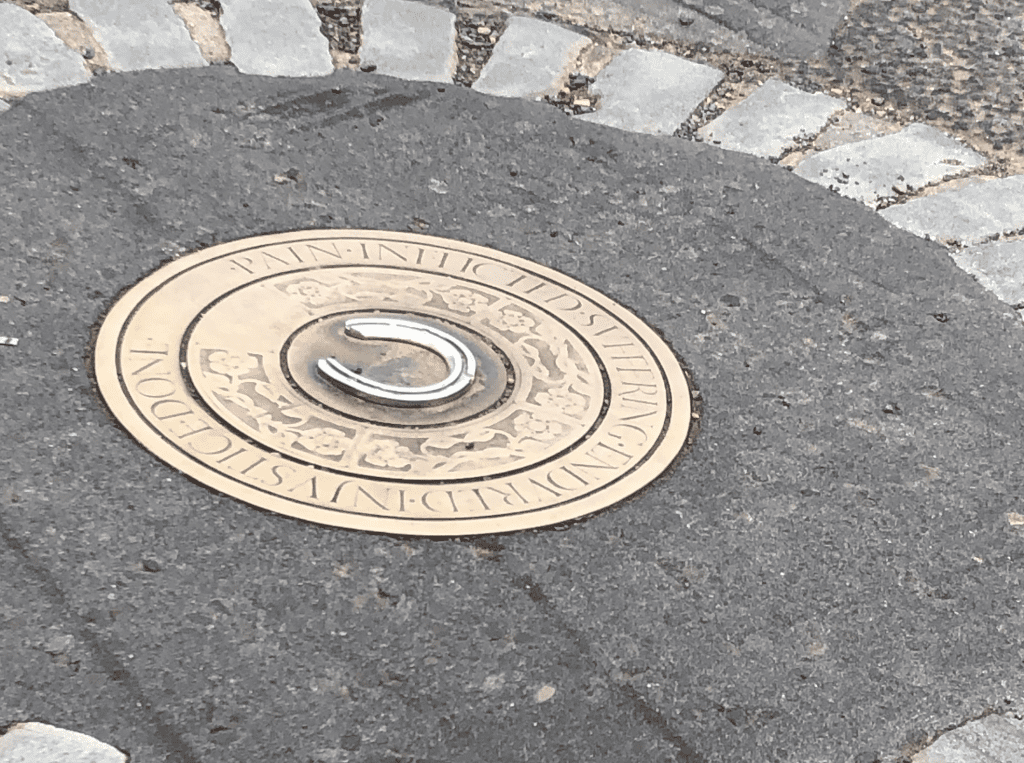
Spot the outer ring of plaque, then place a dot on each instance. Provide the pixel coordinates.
(670, 440)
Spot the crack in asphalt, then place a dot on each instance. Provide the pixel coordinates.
(105, 653)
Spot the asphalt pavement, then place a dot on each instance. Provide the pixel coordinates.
(780, 29)
(833, 573)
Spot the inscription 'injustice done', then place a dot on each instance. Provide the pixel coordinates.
(572, 405)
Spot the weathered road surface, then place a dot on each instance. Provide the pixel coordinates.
(833, 574)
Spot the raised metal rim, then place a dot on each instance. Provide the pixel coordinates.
(671, 441)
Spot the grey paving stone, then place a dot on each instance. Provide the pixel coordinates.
(869, 169)
(139, 34)
(532, 59)
(650, 91)
(4, 106)
(966, 216)
(40, 743)
(409, 40)
(276, 38)
(32, 57)
(852, 127)
(998, 266)
(771, 120)
(993, 739)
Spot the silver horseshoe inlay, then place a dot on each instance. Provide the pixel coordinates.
(458, 357)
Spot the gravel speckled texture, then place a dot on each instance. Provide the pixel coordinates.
(477, 32)
(341, 24)
(957, 65)
(44, 6)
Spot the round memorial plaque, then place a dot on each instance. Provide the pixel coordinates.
(392, 382)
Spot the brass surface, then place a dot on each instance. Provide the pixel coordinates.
(211, 364)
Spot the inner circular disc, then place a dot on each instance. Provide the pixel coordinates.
(397, 363)
(211, 363)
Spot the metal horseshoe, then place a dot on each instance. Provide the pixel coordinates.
(459, 359)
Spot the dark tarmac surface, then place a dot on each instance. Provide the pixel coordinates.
(830, 575)
(785, 28)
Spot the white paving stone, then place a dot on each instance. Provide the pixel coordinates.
(532, 59)
(993, 739)
(4, 106)
(40, 743)
(276, 38)
(139, 34)
(409, 40)
(869, 169)
(771, 120)
(998, 266)
(32, 57)
(650, 91)
(966, 216)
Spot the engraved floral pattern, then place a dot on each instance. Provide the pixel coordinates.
(307, 290)
(564, 401)
(324, 442)
(278, 437)
(231, 364)
(536, 426)
(513, 321)
(351, 290)
(389, 454)
(279, 420)
(465, 301)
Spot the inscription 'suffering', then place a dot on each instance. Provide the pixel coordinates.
(212, 363)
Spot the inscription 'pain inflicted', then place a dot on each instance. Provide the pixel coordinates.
(538, 290)
(302, 255)
(281, 258)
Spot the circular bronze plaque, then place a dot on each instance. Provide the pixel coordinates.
(392, 382)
